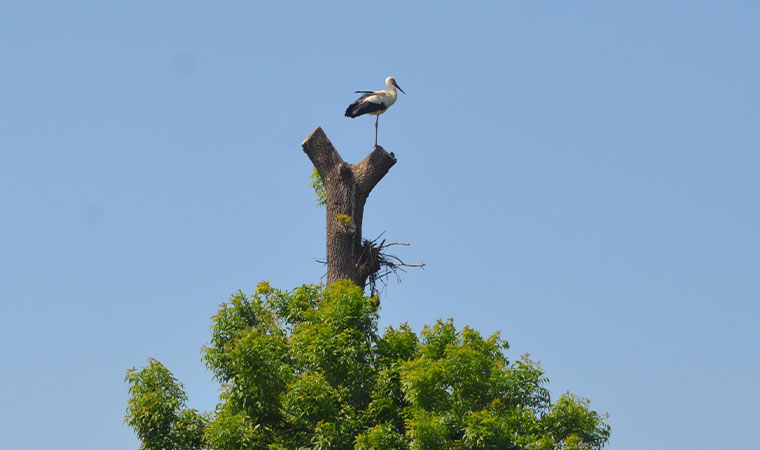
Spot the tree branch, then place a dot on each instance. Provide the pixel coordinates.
(321, 152)
(372, 169)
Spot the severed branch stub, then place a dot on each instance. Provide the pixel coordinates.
(348, 186)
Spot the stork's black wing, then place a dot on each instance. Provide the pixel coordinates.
(363, 105)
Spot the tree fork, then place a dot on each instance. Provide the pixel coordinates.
(347, 186)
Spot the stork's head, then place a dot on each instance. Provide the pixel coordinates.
(390, 82)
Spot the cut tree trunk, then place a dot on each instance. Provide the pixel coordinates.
(348, 186)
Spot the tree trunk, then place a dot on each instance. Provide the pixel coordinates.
(348, 186)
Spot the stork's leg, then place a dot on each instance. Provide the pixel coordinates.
(377, 118)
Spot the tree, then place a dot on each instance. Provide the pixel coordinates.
(308, 368)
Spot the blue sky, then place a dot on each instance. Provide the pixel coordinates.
(582, 176)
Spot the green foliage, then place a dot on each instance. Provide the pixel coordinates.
(343, 220)
(381, 437)
(571, 421)
(318, 184)
(309, 369)
(156, 410)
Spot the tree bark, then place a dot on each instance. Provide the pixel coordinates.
(348, 186)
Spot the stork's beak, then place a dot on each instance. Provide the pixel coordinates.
(399, 87)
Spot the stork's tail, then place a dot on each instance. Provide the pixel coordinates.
(352, 110)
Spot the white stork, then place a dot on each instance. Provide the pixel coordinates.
(374, 102)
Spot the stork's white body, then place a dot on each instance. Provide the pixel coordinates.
(374, 102)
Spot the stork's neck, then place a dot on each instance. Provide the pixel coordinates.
(391, 88)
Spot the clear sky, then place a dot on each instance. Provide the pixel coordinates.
(580, 175)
